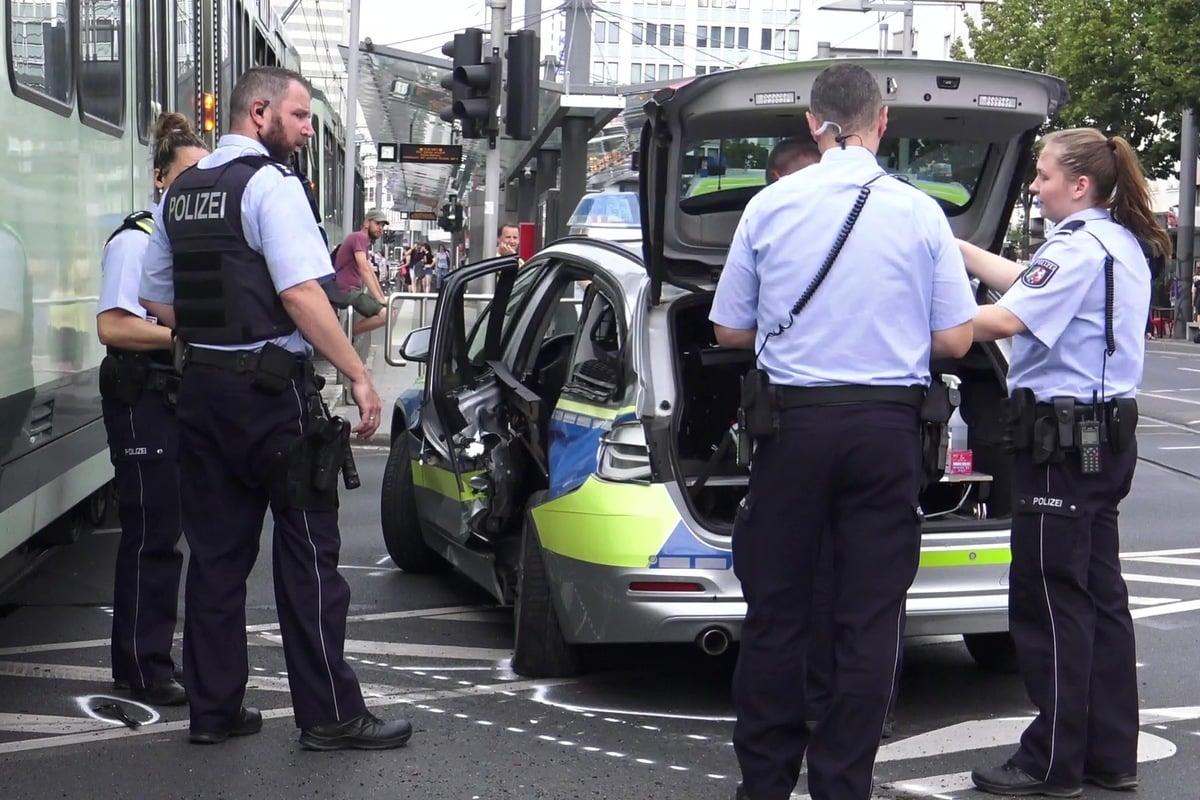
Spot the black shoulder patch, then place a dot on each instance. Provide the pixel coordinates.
(1039, 273)
(1069, 227)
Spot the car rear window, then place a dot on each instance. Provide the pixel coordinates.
(720, 173)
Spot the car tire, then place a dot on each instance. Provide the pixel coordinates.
(995, 652)
(398, 515)
(539, 648)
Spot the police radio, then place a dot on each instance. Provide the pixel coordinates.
(1087, 439)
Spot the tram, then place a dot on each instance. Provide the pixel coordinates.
(86, 80)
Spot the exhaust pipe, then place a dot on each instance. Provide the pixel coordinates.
(713, 641)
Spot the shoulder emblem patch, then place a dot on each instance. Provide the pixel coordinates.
(1039, 273)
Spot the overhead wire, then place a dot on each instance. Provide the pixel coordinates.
(522, 19)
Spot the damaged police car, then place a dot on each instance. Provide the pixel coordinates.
(568, 450)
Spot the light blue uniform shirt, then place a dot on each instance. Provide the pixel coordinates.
(899, 276)
(1060, 299)
(121, 266)
(278, 223)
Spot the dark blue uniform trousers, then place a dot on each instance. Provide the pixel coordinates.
(234, 445)
(1069, 615)
(143, 441)
(855, 470)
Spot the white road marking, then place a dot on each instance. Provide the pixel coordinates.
(1161, 579)
(1178, 551)
(47, 724)
(1150, 748)
(386, 615)
(1187, 369)
(542, 696)
(1175, 560)
(451, 652)
(85, 644)
(1159, 396)
(1181, 447)
(1151, 601)
(1169, 608)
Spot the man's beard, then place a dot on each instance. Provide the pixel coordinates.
(275, 140)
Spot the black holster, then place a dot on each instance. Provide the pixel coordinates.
(1122, 415)
(758, 411)
(935, 412)
(1019, 414)
(276, 368)
(123, 377)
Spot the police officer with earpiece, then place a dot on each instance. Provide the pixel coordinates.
(1076, 317)
(233, 266)
(137, 390)
(845, 281)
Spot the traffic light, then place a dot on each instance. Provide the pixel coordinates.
(451, 217)
(475, 85)
(522, 103)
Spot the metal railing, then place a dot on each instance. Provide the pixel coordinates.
(426, 304)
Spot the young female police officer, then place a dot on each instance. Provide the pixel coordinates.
(1076, 317)
(135, 380)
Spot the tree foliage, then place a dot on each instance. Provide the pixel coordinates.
(1131, 66)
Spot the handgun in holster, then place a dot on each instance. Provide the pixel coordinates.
(334, 454)
(123, 377)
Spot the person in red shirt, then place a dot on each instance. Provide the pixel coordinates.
(356, 277)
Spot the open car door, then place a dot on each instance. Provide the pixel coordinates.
(464, 390)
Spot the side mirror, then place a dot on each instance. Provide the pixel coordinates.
(416, 345)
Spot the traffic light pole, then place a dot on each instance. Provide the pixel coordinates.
(491, 183)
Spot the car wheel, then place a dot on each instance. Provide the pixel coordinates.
(398, 515)
(992, 651)
(539, 649)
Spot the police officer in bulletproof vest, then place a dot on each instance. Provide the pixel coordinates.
(1076, 315)
(233, 266)
(845, 281)
(137, 389)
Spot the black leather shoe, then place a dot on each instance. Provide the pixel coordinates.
(1114, 781)
(248, 724)
(1009, 779)
(367, 732)
(167, 693)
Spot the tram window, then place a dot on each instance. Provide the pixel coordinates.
(331, 181)
(39, 52)
(151, 65)
(186, 78)
(102, 64)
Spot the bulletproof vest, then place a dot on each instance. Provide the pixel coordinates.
(223, 291)
(139, 221)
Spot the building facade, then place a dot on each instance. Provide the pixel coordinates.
(635, 41)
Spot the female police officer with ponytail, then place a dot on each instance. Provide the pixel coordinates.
(1076, 315)
(136, 384)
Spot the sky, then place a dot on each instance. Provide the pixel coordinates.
(424, 25)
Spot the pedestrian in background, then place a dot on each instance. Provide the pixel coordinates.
(1075, 315)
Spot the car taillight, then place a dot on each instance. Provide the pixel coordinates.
(624, 455)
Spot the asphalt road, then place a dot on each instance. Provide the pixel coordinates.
(645, 722)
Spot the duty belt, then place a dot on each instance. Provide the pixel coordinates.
(804, 396)
(238, 361)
